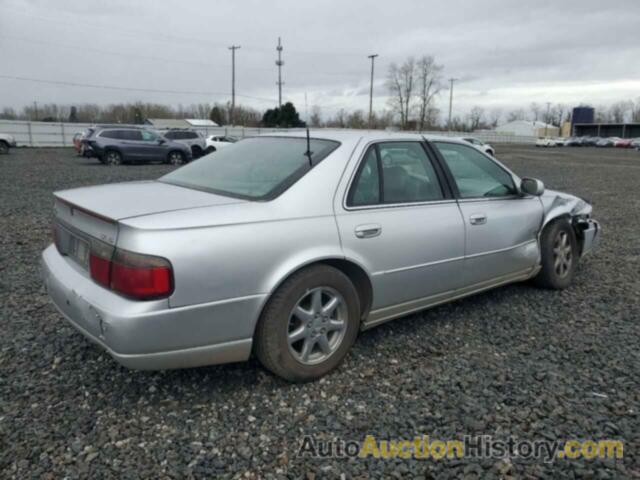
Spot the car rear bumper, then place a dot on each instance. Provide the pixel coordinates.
(150, 335)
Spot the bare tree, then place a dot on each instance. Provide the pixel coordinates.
(475, 117)
(558, 113)
(494, 117)
(429, 84)
(618, 111)
(400, 82)
(517, 114)
(316, 116)
(356, 120)
(535, 110)
(635, 112)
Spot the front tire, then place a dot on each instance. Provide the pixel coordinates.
(559, 255)
(175, 158)
(309, 324)
(4, 147)
(196, 152)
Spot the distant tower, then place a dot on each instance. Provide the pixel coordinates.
(279, 63)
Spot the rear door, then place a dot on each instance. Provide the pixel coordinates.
(501, 226)
(402, 224)
(151, 147)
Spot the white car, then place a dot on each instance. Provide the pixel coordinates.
(215, 142)
(6, 141)
(545, 142)
(485, 147)
(549, 142)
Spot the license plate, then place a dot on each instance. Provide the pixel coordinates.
(79, 251)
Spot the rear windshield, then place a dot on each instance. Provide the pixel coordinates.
(259, 168)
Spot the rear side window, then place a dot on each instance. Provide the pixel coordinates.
(132, 135)
(366, 188)
(476, 175)
(114, 134)
(395, 172)
(190, 135)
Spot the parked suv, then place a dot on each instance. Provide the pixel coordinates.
(113, 146)
(6, 141)
(190, 138)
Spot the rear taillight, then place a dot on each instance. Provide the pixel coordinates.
(141, 276)
(100, 262)
(134, 275)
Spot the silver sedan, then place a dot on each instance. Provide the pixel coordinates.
(288, 246)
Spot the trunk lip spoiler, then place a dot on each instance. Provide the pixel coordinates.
(73, 207)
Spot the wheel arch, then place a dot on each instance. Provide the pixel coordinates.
(354, 271)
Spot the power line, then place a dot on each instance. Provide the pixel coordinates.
(129, 89)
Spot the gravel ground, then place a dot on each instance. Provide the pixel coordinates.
(516, 361)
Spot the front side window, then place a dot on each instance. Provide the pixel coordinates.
(258, 168)
(170, 135)
(395, 172)
(476, 175)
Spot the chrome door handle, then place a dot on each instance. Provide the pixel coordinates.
(478, 219)
(368, 231)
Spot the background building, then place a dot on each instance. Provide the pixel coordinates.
(179, 122)
(622, 130)
(528, 128)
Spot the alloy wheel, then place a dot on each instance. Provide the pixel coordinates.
(175, 158)
(562, 254)
(317, 325)
(113, 158)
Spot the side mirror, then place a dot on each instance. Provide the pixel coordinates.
(161, 141)
(532, 186)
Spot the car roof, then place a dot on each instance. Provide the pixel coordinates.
(367, 135)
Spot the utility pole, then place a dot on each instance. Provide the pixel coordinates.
(35, 106)
(451, 80)
(279, 63)
(373, 58)
(233, 49)
(546, 120)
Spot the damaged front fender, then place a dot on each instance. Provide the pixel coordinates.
(577, 211)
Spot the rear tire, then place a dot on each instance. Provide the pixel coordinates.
(309, 324)
(4, 147)
(112, 158)
(196, 152)
(210, 150)
(559, 249)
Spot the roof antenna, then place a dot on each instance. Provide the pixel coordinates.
(308, 153)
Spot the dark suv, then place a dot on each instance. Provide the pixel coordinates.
(116, 145)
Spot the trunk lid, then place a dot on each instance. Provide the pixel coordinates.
(133, 199)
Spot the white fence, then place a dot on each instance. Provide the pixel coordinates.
(53, 134)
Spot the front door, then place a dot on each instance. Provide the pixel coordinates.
(402, 225)
(501, 226)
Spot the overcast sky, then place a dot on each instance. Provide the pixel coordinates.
(506, 53)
